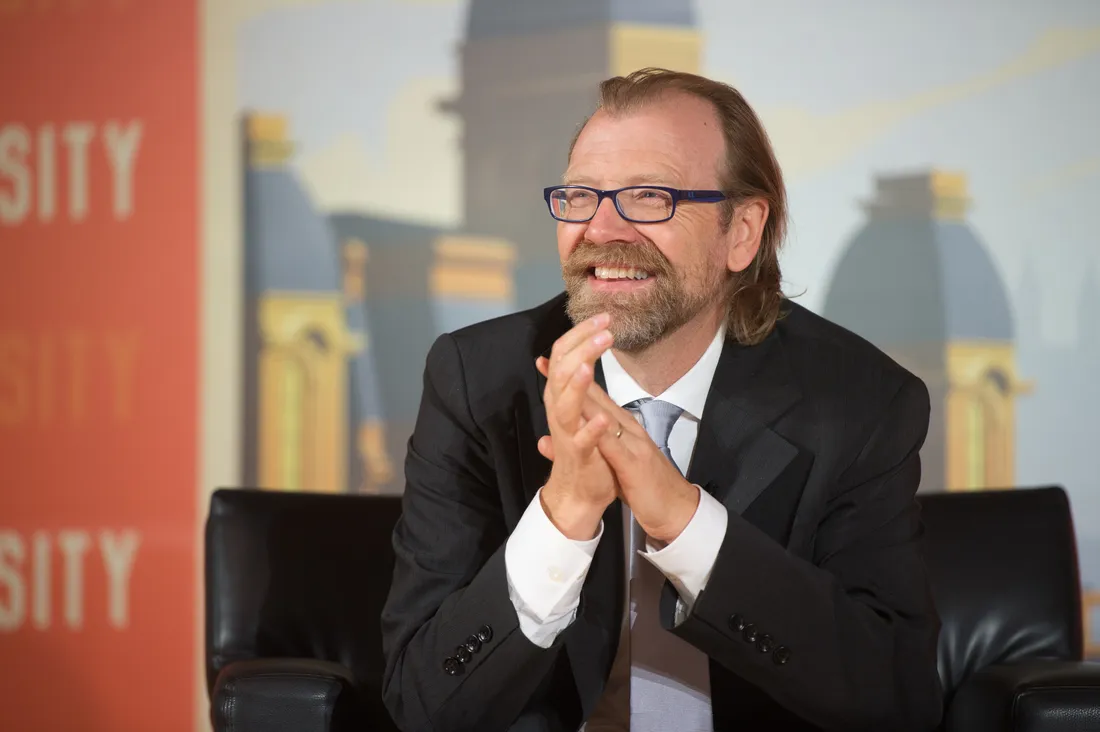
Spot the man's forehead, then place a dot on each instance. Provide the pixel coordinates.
(656, 144)
(675, 108)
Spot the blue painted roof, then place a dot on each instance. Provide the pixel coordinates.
(492, 18)
(290, 245)
(916, 279)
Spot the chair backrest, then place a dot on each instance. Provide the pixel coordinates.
(300, 575)
(1004, 574)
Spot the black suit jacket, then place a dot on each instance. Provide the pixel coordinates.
(817, 614)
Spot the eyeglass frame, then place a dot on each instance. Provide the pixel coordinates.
(677, 194)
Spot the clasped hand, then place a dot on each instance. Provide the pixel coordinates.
(599, 450)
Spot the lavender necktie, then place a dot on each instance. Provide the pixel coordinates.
(669, 678)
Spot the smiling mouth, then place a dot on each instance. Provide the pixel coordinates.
(616, 274)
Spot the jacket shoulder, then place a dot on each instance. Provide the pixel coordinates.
(518, 334)
(493, 360)
(829, 359)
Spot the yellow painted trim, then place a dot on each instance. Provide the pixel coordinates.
(485, 249)
(950, 195)
(377, 467)
(633, 47)
(354, 256)
(971, 396)
(284, 324)
(471, 283)
(268, 137)
(474, 267)
(1090, 601)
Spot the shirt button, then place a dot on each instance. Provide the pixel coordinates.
(556, 575)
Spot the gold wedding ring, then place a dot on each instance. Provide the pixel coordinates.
(620, 432)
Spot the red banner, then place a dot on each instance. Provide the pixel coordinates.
(98, 364)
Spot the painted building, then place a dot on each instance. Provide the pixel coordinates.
(529, 76)
(326, 408)
(917, 282)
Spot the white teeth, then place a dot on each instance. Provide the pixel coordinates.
(620, 273)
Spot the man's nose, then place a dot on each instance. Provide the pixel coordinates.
(607, 225)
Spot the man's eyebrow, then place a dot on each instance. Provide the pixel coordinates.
(576, 180)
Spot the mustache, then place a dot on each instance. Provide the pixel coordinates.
(644, 256)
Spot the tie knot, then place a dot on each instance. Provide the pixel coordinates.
(658, 417)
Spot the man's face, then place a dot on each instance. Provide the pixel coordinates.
(652, 278)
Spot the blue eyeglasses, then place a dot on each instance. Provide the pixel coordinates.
(639, 204)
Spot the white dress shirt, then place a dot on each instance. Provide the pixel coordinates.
(546, 570)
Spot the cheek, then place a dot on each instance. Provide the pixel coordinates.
(688, 245)
(569, 235)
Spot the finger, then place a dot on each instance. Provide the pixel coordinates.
(585, 352)
(587, 437)
(577, 334)
(568, 405)
(597, 401)
(546, 447)
(617, 450)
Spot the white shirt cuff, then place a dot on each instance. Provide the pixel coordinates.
(546, 571)
(689, 560)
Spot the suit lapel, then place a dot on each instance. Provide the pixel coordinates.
(737, 455)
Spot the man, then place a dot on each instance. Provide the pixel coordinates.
(670, 499)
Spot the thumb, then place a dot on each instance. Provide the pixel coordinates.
(546, 447)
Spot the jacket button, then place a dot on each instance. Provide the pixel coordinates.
(463, 655)
(485, 634)
(736, 623)
(765, 643)
(749, 633)
(452, 667)
(781, 655)
(473, 644)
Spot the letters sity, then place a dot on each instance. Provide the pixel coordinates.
(34, 164)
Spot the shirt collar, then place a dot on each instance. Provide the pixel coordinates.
(689, 392)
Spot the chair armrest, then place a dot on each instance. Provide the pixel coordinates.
(1036, 696)
(286, 694)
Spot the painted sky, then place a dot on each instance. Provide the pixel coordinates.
(1010, 96)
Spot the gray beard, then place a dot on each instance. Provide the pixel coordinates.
(637, 322)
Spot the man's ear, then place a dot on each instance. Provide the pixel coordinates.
(745, 232)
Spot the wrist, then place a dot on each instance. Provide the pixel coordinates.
(576, 519)
(678, 516)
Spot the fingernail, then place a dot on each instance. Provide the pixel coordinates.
(601, 320)
(602, 338)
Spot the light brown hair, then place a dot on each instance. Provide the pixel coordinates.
(750, 171)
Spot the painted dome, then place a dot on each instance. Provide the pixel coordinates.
(916, 272)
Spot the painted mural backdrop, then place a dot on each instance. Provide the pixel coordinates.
(942, 162)
(98, 359)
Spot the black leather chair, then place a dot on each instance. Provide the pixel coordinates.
(1006, 583)
(295, 584)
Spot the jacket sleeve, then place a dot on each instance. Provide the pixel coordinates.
(847, 641)
(455, 658)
